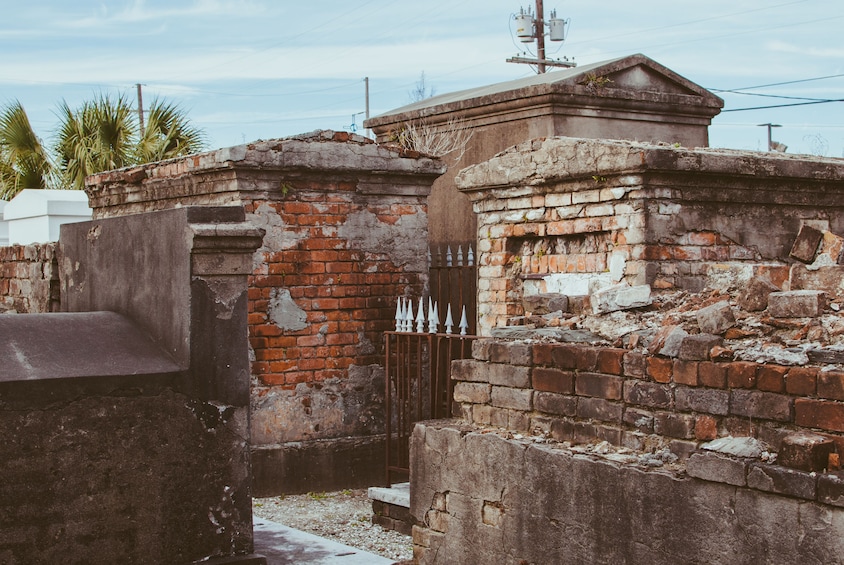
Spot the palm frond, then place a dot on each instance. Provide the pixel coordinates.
(24, 163)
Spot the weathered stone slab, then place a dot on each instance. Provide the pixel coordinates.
(621, 297)
(796, 303)
(716, 318)
(697, 347)
(545, 303)
(806, 245)
(781, 480)
(754, 296)
(718, 468)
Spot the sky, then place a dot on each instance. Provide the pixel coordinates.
(260, 69)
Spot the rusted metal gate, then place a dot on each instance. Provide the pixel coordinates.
(420, 351)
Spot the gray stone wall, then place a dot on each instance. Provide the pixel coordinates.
(484, 498)
(127, 430)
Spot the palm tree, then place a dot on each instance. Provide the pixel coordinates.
(168, 134)
(24, 163)
(100, 135)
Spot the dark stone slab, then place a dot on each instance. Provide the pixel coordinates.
(85, 344)
(781, 480)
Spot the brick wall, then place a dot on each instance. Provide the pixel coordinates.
(573, 215)
(29, 280)
(582, 393)
(346, 234)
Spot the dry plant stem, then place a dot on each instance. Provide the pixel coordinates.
(437, 141)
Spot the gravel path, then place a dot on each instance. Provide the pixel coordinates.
(344, 516)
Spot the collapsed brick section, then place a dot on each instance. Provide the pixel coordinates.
(577, 216)
(29, 280)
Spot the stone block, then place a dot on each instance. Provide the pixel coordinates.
(480, 349)
(682, 448)
(474, 393)
(717, 468)
(763, 405)
(645, 393)
(513, 398)
(674, 425)
(829, 278)
(667, 341)
(831, 489)
(712, 374)
(805, 451)
(599, 409)
(469, 370)
(634, 365)
(737, 446)
(557, 404)
(697, 347)
(553, 380)
(754, 296)
(510, 353)
(620, 297)
(716, 318)
(781, 480)
(598, 385)
(642, 420)
(796, 304)
(508, 375)
(545, 303)
(709, 401)
(806, 244)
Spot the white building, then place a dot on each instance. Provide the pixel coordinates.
(34, 215)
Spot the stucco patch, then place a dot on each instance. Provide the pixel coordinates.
(284, 312)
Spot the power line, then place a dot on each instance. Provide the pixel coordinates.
(780, 83)
(783, 105)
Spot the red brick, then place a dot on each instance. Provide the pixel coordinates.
(273, 379)
(599, 386)
(542, 354)
(821, 414)
(771, 378)
(586, 358)
(610, 361)
(553, 380)
(660, 369)
(801, 381)
(831, 385)
(741, 374)
(712, 374)
(686, 372)
(706, 428)
(563, 356)
(634, 365)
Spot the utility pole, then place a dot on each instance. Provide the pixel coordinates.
(770, 141)
(530, 29)
(366, 83)
(140, 109)
(540, 38)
